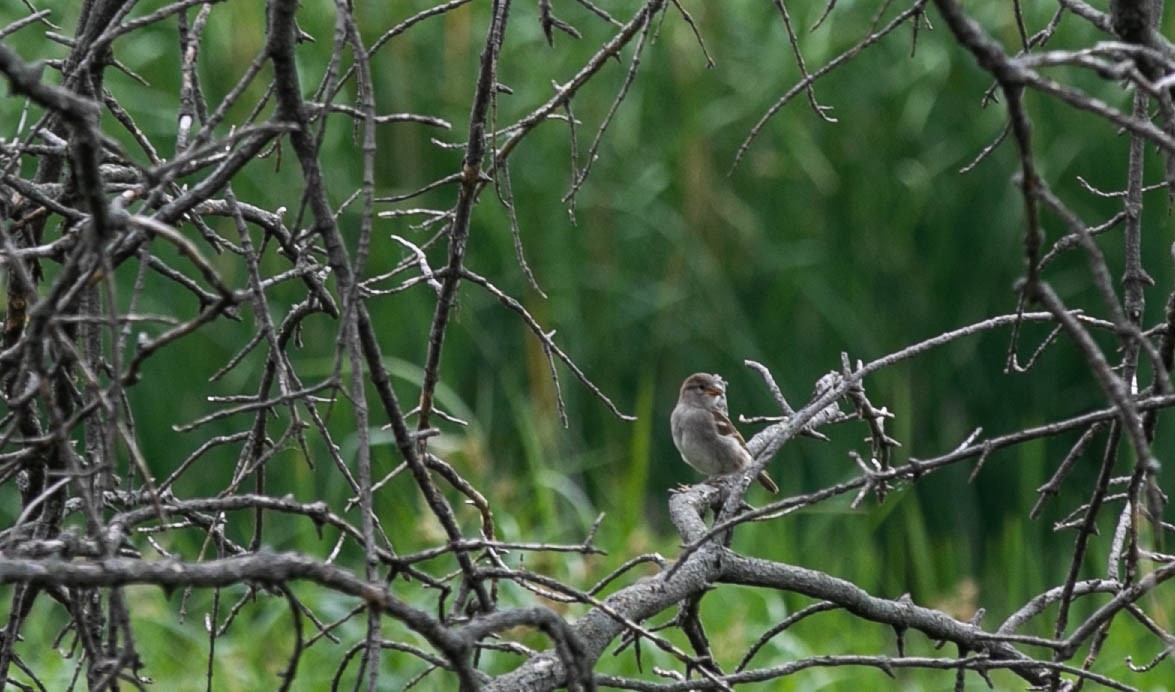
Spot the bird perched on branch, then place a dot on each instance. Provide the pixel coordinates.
(703, 433)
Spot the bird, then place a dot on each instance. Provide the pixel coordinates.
(703, 433)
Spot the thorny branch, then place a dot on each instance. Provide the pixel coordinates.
(92, 229)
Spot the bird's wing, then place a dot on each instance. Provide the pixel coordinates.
(726, 428)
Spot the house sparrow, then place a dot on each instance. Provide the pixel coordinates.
(703, 433)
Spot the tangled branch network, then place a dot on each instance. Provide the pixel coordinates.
(126, 243)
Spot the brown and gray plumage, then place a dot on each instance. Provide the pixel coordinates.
(703, 433)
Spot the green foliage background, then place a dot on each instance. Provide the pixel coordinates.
(859, 236)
